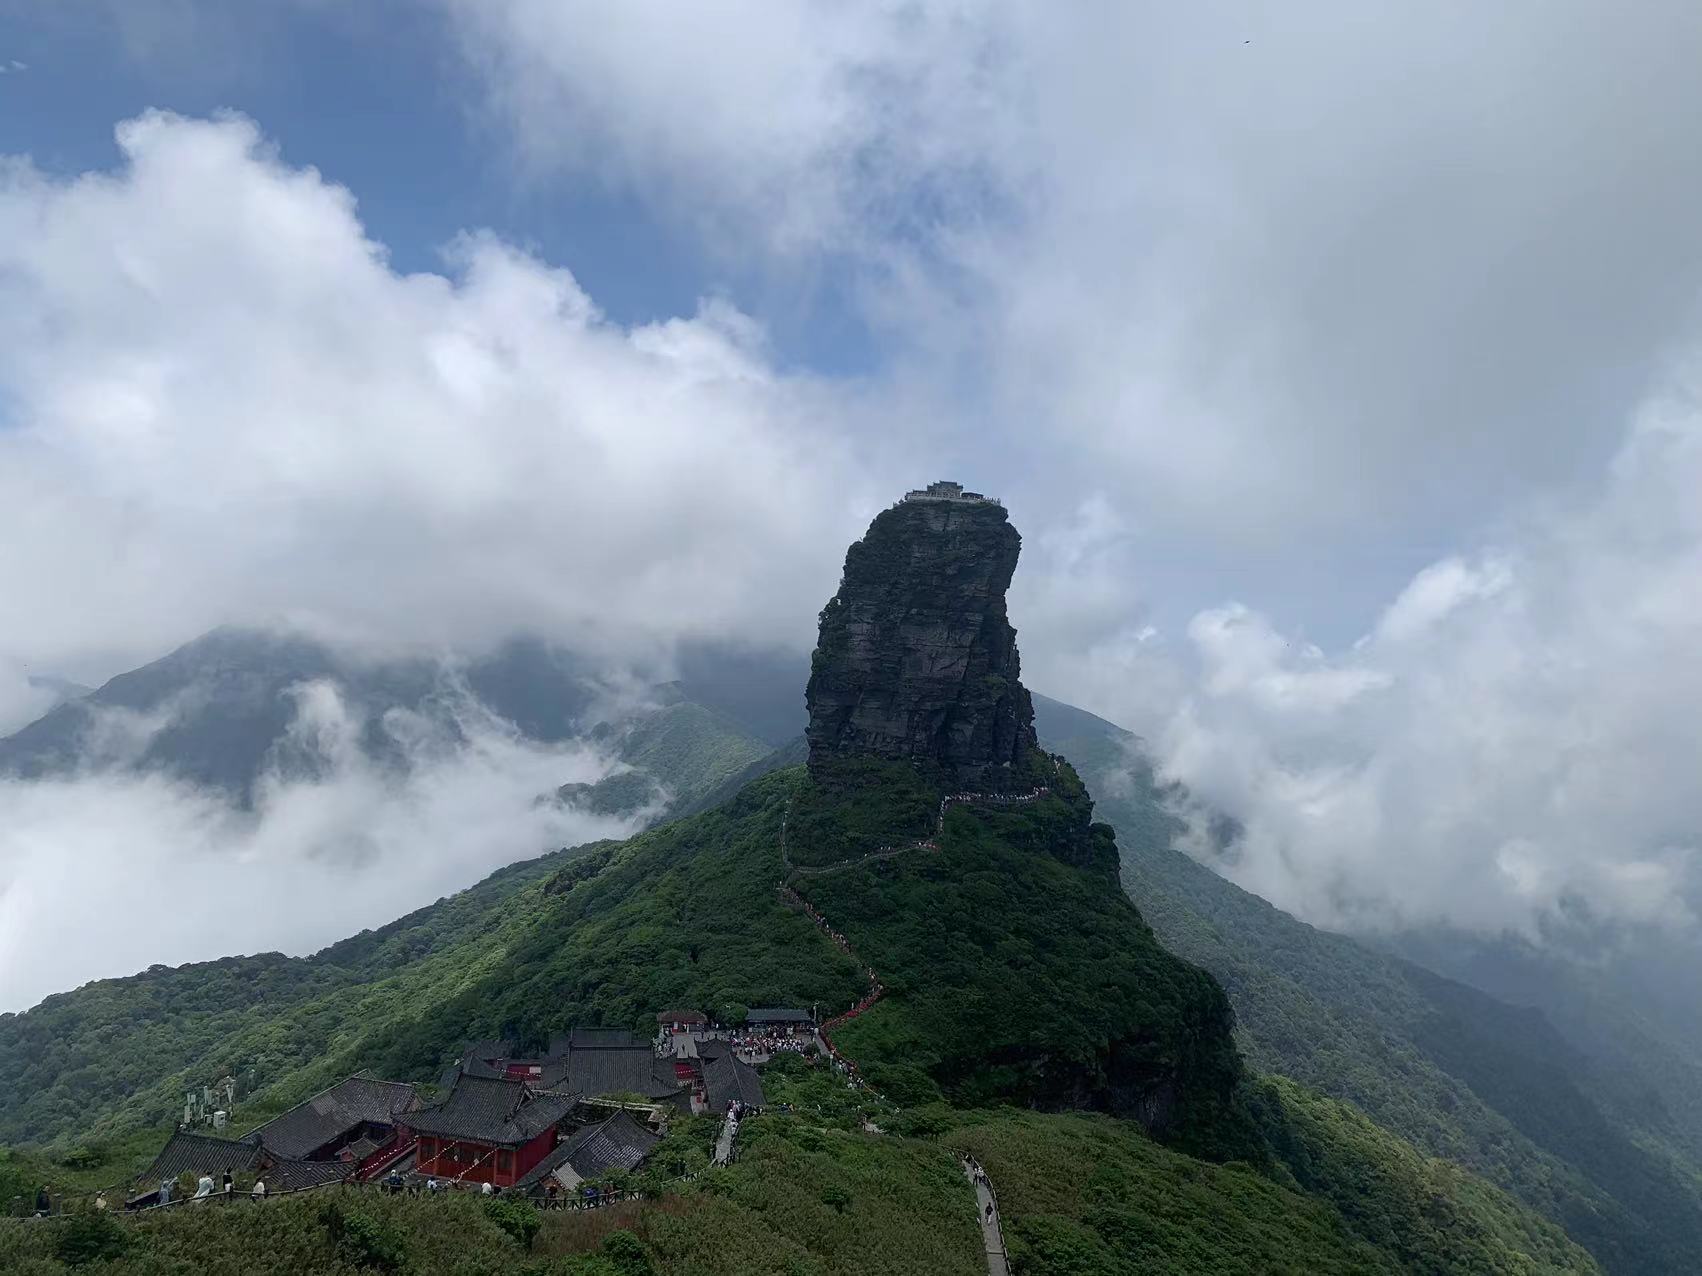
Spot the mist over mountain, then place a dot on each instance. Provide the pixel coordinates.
(256, 789)
(430, 432)
(1103, 1017)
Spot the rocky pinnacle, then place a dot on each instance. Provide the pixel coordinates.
(917, 658)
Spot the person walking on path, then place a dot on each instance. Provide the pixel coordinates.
(992, 1237)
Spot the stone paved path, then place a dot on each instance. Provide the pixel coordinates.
(724, 1144)
(992, 1235)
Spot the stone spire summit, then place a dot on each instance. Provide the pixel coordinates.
(917, 658)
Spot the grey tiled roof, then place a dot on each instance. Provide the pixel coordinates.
(334, 1112)
(595, 1070)
(772, 1015)
(553, 1076)
(362, 1148)
(284, 1175)
(489, 1110)
(200, 1154)
(619, 1143)
(729, 1078)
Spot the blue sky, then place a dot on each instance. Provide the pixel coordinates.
(379, 99)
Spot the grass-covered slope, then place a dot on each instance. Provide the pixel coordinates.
(118, 1053)
(688, 914)
(813, 1191)
(1432, 1215)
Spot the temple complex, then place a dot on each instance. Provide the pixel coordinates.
(593, 1102)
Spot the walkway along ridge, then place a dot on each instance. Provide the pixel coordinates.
(790, 895)
(990, 1217)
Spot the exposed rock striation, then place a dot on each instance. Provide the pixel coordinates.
(917, 658)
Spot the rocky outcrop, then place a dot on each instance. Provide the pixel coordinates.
(917, 658)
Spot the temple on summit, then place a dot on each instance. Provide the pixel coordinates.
(946, 490)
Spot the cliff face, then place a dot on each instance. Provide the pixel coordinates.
(917, 658)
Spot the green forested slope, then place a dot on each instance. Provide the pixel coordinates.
(681, 754)
(1015, 971)
(118, 1053)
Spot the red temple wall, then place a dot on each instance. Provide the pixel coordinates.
(469, 1162)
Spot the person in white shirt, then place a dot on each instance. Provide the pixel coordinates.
(259, 1192)
(204, 1187)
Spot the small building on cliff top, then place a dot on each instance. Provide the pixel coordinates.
(946, 490)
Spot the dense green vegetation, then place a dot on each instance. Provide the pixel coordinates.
(118, 1053)
(1013, 975)
(859, 805)
(687, 914)
(812, 1193)
(681, 753)
(1430, 1214)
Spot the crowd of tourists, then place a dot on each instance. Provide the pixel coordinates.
(768, 1041)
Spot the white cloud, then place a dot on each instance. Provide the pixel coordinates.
(1516, 738)
(110, 872)
(1273, 321)
(1313, 284)
(813, 124)
(223, 405)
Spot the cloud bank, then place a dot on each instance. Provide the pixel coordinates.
(1263, 278)
(220, 404)
(1511, 747)
(142, 870)
(1366, 330)
(1285, 307)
